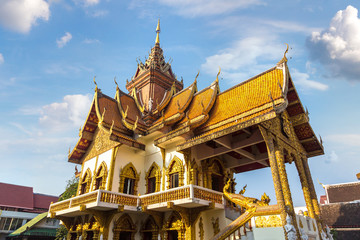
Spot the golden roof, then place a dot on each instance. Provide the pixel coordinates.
(246, 96)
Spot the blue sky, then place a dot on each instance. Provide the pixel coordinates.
(51, 50)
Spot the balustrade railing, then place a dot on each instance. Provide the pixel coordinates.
(103, 196)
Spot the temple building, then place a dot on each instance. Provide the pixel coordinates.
(19, 206)
(159, 161)
(340, 207)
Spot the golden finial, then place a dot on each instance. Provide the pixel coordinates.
(136, 122)
(126, 111)
(321, 184)
(197, 75)
(117, 86)
(69, 150)
(103, 115)
(80, 131)
(96, 87)
(112, 126)
(284, 59)
(217, 76)
(157, 40)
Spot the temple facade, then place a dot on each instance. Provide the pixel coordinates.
(159, 161)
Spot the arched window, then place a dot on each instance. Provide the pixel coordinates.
(153, 178)
(100, 177)
(128, 180)
(175, 173)
(150, 229)
(216, 175)
(174, 227)
(194, 173)
(124, 228)
(85, 182)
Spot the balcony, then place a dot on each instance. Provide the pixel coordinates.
(189, 196)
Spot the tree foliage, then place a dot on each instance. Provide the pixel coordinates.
(70, 190)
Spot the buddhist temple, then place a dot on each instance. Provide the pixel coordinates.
(158, 161)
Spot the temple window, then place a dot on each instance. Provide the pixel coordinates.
(215, 175)
(124, 228)
(153, 178)
(85, 182)
(128, 180)
(175, 173)
(174, 180)
(100, 177)
(129, 186)
(194, 174)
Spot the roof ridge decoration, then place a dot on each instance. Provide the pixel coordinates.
(140, 106)
(124, 114)
(199, 112)
(166, 99)
(284, 59)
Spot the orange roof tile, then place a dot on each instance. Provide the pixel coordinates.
(111, 112)
(200, 104)
(178, 103)
(246, 96)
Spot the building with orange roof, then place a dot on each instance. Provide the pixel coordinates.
(158, 162)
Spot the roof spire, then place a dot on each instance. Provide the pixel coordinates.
(157, 40)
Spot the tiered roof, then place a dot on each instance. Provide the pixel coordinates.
(195, 117)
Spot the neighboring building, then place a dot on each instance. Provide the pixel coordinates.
(159, 162)
(39, 228)
(340, 209)
(19, 205)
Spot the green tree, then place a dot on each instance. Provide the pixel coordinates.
(70, 190)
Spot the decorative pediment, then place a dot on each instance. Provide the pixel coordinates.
(101, 144)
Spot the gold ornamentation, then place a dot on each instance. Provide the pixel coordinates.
(245, 202)
(129, 171)
(85, 182)
(270, 221)
(112, 167)
(175, 166)
(153, 172)
(101, 174)
(201, 229)
(215, 225)
(101, 144)
(167, 196)
(124, 224)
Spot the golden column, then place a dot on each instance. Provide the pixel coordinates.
(279, 153)
(311, 187)
(304, 185)
(274, 172)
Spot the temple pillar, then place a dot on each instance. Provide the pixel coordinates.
(275, 173)
(305, 186)
(279, 154)
(314, 200)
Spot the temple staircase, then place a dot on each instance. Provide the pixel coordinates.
(241, 228)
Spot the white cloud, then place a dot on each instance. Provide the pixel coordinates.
(345, 139)
(91, 41)
(98, 13)
(64, 40)
(338, 47)
(1, 59)
(71, 112)
(302, 80)
(245, 58)
(21, 15)
(332, 157)
(195, 8)
(87, 3)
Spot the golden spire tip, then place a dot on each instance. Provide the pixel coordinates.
(157, 40)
